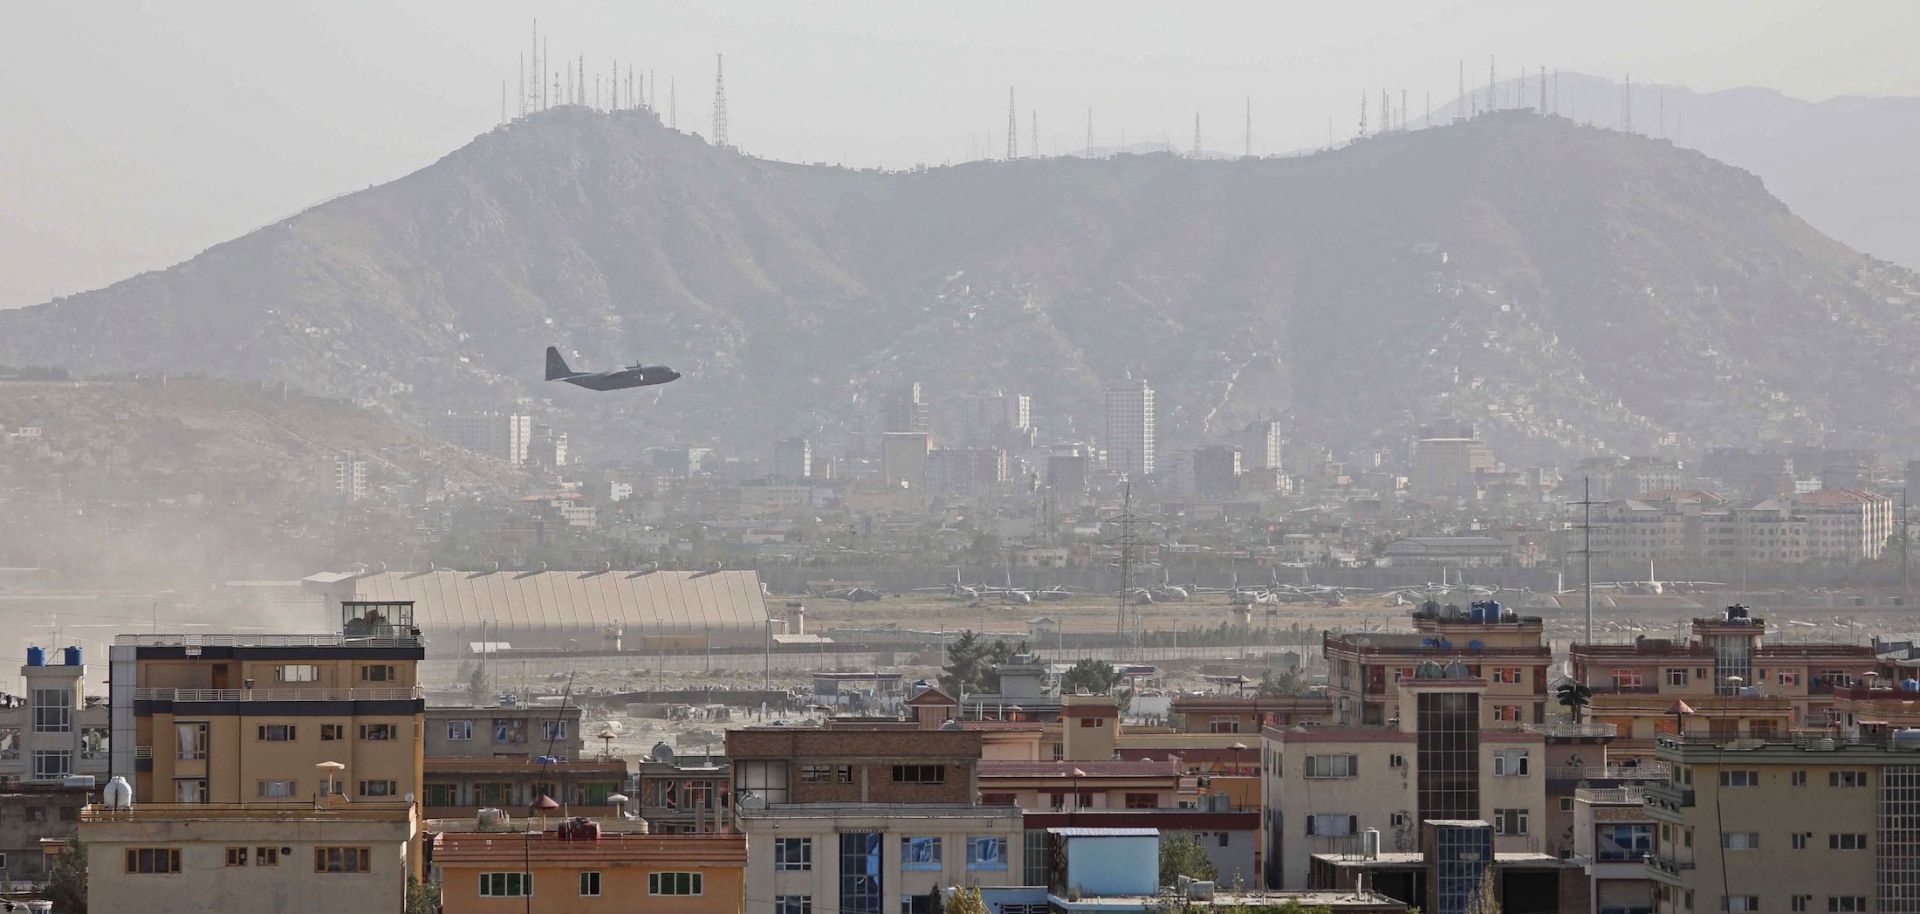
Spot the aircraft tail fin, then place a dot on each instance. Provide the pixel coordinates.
(557, 366)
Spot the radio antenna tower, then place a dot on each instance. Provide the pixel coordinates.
(1196, 134)
(1013, 128)
(1543, 89)
(719, 100)
(1463, 113)
(1089, 152)
(1249, 150)
(521, 82)
(1363, 113)
(1491, 104)
(1626, 105)
(1033, 136)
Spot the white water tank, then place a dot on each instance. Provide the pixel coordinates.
(119, 794)
(1906, 738)
(1370, 844)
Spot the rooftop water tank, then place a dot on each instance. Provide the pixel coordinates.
(1906, 738)
(36, 656)
(71, 656)
(1910, 685)
(119, 794)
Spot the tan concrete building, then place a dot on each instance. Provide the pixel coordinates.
(903, 459)
(1326, 788)
(1446, 466)
(585, 870)
(1612, 838)
(1507, 652)
(1786, 823)
(262, 858)
(56, 729)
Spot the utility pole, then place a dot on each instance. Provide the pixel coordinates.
(1586, 504)
(1013, 129)
(1906, 580)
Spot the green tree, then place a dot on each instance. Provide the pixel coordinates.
(966, 901)
(422, 897)
(971, 661)
(1286, 682)
(1182, 855)
(1574, 696)
(477, 687)
(67, 881)
(1486, 895)
(1096, 676)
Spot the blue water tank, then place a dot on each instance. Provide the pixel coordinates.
(1906, 685)
(72, 656)
(36, 656)
(1476, 644)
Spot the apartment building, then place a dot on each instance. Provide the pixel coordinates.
(867, 817)
(1497, 645)
(55, 729)
(1612, 838)
(1327, 787)
(1131, 444)
(260, 857)
(1844, 525)
(1786, 823)
(1446, 466)
(1222, 713)
(1725, 679)
(578, 869)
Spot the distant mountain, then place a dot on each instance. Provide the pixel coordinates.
(1565, 288)
(1846, 165)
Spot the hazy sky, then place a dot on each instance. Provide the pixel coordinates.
(136, 134)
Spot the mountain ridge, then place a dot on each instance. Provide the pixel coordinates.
(1568, 288)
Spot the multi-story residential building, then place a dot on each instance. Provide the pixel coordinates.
(1069, 784)
(867, 817)
(269, 857)
(349, 477)
(965, 471)
(1216, 470)
(1067, 471)
(1726, 678)
(519, 731)
(55, 730)
(1221, 713)
(793, 459)
(1612, 838)
(1326, 787)
(910, 411)
(461, 787)
(32, 816)
(903, 459)
(1789, 822)
(1497, 645)
(684, 794)
(1445, 467)
(506, 436)
(579, 868)
(1130, 440)
(1260, 444)
(1843, 525)
(994, 419)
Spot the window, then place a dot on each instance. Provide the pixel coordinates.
(297, 672)
(1800, 779)
(590, 885)
(236, 856)
(1677, 677)
(1800, 840)
(1332, 766)
(1623, 843)
(793, 854)
(1510, 763)
(553, 729)
(459, 730)
(1509, 821)
(332, 732)
(1740, 840)
(793, 904)
(190, 790)
(920, 774)
(506, 885)
(920, 854)
(1142, 801)
(997, 799)
(673, 884)
(1739, 778)
(49, 764)
(986, 853)
(379, 789)
(917, 904)
(1507, 713)
(377, 672)
(379, 732)
(1847, 903)
(509, 730)
(1509, 675)
(52, 710)
(1626, 679)
(1397, 820)
(1847, 779)
(276, 733)
(861, 879)
(1335, 825)
(1789, 677)
(1799, 902)
(153, 860)
(1849, 842)
(1739, 903)
(266, 856)
(191, 741)
(276, 789)
(1220, 724)
(342, 859)
(1093, 721)
(1396, 760)
(1566, 804)
(816, 774)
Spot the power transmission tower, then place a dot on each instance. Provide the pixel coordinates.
(1585, 504)
(719, 100)
(1013, 129)
(1491, 105)
(1127, 618)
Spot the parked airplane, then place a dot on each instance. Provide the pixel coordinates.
(635, 375)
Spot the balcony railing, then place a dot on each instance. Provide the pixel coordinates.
(1668, 795)
(1634, 796)
(210, 695)
(1569, 730)
(1669, 865)
(1650, 772)
(261, 640)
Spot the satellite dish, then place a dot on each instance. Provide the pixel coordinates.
(750, 801)
(662, 753)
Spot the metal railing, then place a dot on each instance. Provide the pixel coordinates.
(1668, 865)
(1667, 794)
(1649, 772)
(1568, 729)
(1621, 795)
(205, 695)
(261, 640)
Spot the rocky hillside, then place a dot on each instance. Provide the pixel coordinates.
(1563, 287)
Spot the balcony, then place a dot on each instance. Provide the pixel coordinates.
(1616, 796)
(1668, 865)
(189, 696)
(1649, 772)
(1569, 730)
(1668, 795)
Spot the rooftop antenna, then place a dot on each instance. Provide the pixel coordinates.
(719, 100)
(1013, 145)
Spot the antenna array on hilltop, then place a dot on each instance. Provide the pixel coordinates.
(540, 86)
(719, 100)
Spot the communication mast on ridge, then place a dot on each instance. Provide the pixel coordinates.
(1013, 129)
(719, 100)
(1196, 134)
(1249, 150)
(1626, 105)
